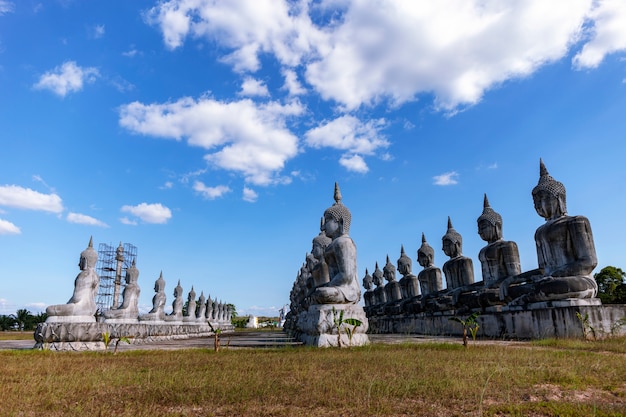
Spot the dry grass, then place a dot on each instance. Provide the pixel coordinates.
(12, 335)
(377, 380)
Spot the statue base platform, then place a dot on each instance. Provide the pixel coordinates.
(62, 336)
(557, 318)
(317, 326)
(71, 319)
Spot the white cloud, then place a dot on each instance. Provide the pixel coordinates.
(168, 185)
(211, 193)
(131, 52)
(149, 213)
(608, 33)
(354, 163)
(25, 198)
(292, 85)
(67, 78)
(252, 87)
(350, 134)
(246, 137)
(6, 7)
(98, 31)
(249, 195)
(8, 228)
(448, 178)
(84, 219)
(126, 220)
(358, 54)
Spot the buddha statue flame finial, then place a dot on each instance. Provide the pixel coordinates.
(489, 214)
(452, 234)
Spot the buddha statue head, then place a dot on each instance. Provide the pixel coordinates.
(378, 276)
(452, 241)
(88, 257)
(389, 271)
(404, 263)
(132, 274)
(489, 223)
(201, 300)
(549, 195)
(159, 285)
(337, 217)
(425, 254)
(192, 295)
(178, 290)
(368, 280)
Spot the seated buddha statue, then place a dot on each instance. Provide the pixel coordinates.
(393, 293)
(158, 302)
(201, 307)
(191, 306)
(459, 269)
(565, 250)
(368, 296)
(128, 310)
(430, 279)
(379, 292)
(340, 255)
(318, 266)
(177, 305)
(409, 285)
(82, 306)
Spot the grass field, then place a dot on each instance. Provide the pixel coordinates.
(547, 378)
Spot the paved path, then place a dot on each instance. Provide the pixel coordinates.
(259, 339)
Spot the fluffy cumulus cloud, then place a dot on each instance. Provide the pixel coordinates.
(607, 33)
(252, 87)
(25, 198)
(349, 134)
(243, 136)
(249, 195)
(211, 193)
(78, 218)
(353, 53)
(447, 178)
(67, 78)
(148, 213)
(8, 228)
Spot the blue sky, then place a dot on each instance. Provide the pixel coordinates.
(210, 134)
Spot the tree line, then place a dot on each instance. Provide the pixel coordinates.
(21, 320)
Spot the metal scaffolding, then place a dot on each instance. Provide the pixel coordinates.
(111, 277)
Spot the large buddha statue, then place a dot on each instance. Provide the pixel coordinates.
(128, 311)
(340, 255)
(565, 250)
(393, 292)
(430, 277)
(158, 302)
(82, 306)
(177, 305)
(459, 269)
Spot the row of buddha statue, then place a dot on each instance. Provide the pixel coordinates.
(82, 307)
(566, 258)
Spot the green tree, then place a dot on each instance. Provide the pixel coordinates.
(233, 310)
(611, 285)
(6, 322)
(24, 319)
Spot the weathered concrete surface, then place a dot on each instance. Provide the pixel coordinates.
(556, 318)
(317, 325)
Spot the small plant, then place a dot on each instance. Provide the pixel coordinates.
(120, 339)
(338, 321)
(586, 325)
(216, 335)
(469, 323)
(107, 339)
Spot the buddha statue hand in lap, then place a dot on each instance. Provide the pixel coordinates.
(340, 255)
(565, 250)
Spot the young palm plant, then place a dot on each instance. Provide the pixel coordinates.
(469, 323)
